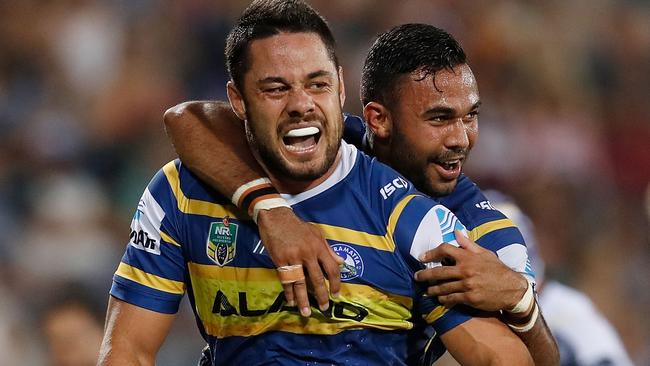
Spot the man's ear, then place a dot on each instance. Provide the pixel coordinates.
(341, 87)
(236, 101)
(378, 119)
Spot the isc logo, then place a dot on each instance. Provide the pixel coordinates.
(485, 205)
(391, 187)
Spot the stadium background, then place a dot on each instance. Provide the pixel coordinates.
(565, 129)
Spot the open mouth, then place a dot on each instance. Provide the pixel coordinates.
(450, 165)
(301, 139)
(449, 169)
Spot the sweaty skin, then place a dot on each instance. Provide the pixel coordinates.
(478, 341)
(183, 125)
(427, 135)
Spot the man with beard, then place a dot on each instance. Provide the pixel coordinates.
(421, 105)
(287, 87)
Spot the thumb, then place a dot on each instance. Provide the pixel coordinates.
(466, 243)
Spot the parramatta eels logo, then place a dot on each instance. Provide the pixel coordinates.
(222, 241)
(352, 266)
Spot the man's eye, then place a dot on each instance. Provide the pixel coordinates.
(436, 119)
(318, 86)
(276, 90)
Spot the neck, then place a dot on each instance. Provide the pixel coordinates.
(291, 186)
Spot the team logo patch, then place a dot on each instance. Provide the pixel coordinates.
(222, 241)
(353, 264)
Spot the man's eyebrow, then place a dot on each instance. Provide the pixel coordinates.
(447, 110)
(272, 79)
(319, 73)
(439, 110)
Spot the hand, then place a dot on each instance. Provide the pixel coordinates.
(478, 278)
(290, 240)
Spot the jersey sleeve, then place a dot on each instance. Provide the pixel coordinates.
(489, 227)
(423, 224)
(151, 273)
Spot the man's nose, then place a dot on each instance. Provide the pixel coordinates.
(456, 136)
(299, 103)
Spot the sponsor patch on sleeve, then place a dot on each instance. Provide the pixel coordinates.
(145, 225)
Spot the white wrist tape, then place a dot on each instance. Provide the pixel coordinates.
(530, 324)
(250, 186)
(268, 204)
(526, 301)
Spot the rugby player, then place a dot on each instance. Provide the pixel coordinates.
(285, 83)
(421, 107)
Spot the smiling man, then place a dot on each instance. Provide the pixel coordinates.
(287, 89)
(421, 105)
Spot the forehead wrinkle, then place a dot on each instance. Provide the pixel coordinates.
(289, 54)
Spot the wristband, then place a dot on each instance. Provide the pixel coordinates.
(526, 301)
(260, 185)
(268, 204)
(522, 328)
(257, 195)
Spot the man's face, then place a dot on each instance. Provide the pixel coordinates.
(435, 125)
(293, 96)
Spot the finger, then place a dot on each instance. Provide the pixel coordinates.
(442, 273)
(300, 292)
(333, 273)
(466, 243)
(318, 284)
(318, 233)
(451, 299)
(339, 261)
(446, 288)
(288, 294)
(444, 250)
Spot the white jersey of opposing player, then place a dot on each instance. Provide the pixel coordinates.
(583, 334)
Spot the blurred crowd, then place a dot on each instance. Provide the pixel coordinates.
(565, 130)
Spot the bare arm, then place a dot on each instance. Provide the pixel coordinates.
(210, 140)
(479, 279)
(132, 335)
(485, 341)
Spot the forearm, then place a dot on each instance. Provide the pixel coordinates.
(208, 136)
(485, 341)
(120, 352)
(541, 344)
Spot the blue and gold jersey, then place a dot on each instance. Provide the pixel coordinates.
(185, 237)
(487, 225)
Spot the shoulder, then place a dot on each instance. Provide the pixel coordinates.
(184, 184)
(481, 217)
(354, 131)
(470, 204)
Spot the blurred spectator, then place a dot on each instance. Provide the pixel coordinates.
(72, 324)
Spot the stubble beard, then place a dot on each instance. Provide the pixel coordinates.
(404, 160)
(273, 161)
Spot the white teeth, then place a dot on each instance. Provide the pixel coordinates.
(301, 132)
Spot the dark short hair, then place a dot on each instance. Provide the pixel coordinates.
(402, 50)
(265, 18)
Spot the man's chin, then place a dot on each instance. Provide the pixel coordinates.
(305, 173)
(441, 189)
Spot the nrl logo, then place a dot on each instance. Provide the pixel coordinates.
(222, 241)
